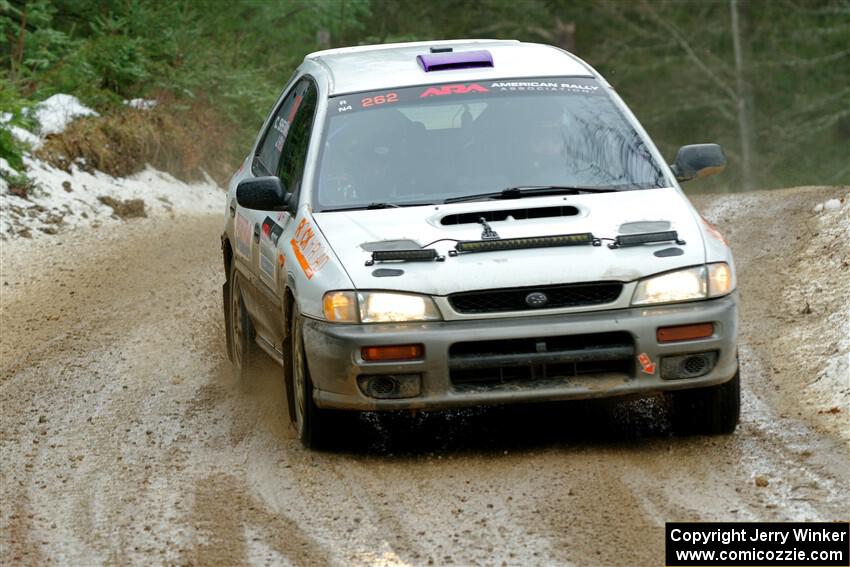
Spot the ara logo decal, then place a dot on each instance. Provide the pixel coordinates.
(454, 89)
(646, 363)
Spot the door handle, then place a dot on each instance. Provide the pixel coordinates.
(256, 232)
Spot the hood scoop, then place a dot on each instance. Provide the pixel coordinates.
(637, 227)
(509, 214)
(403, 244)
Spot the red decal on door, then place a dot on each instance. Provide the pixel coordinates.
(294, 109)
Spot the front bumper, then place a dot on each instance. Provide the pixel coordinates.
(334, 359)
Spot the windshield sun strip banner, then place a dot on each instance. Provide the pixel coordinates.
(465, 90)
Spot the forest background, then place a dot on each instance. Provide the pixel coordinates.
(767, 79)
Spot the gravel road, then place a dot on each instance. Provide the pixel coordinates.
(125, 440)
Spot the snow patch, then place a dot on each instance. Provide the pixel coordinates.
(832, 205)
(24, 136)
(55, 113)
(17, 132)
(6, 168)
(820, 296)
(140, 103)
(812, 337)
(58, 201)
(827, 253)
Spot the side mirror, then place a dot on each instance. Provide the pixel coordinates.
(263, 193)
(698, 160)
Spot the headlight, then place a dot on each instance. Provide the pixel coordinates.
(340, 306)
(721, 280)
(713, 280)
(378, 307)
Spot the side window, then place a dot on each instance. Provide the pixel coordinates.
(294, 154)
(268, 153)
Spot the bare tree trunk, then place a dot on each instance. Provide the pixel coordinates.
(18, 58)
(562, 34)
(743, 102)
(341, 41)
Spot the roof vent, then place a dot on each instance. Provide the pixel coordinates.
(443, 61)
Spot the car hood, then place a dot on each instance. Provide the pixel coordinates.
(353, 235)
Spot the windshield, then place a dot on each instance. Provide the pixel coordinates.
(426, 144)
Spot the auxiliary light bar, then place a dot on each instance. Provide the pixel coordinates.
(577, 239)
(422, 255)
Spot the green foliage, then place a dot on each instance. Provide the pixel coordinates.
(12, 105)
(119, 62)
(672, 62)
(9, 149)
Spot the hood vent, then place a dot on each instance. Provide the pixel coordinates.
(403, 244)
(504, 214)
(644, 226)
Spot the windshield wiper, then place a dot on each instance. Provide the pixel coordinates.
(382, 206)
(521, 191)
(373, 206)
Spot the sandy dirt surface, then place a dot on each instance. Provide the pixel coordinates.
(125, 440)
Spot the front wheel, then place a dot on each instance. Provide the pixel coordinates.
(714, 410)
(310, 421)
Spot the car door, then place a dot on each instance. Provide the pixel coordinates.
(282, 152)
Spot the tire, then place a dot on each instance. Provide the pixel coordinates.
(311, 423)
(241, 328)
(714, 410)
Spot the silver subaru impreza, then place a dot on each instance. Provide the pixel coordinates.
(457, 223)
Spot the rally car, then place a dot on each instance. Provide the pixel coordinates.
(456, 223)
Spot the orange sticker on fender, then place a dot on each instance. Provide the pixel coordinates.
(302, 261)
(309, 251)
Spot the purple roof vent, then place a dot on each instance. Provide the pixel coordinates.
(440, 60)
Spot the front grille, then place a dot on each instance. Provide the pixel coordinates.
(537, 361)
(570, 295)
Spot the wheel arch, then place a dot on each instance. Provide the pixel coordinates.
(288, 305)
(227, 257)
(227, 254)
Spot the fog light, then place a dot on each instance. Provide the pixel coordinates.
(389, 386)
(688, 365)
(684, 332)
(392, 352)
